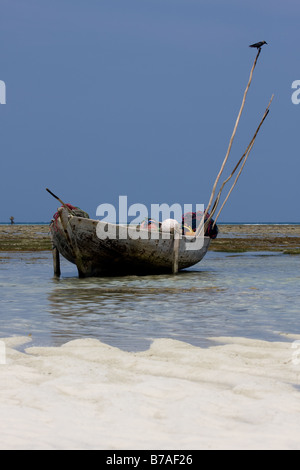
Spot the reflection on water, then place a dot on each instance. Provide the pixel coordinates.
(132, 311)
(252, 295)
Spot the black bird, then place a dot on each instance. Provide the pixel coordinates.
(258, 45)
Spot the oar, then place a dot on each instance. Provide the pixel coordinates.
(56, 197)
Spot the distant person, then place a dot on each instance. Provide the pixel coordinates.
(12, 220)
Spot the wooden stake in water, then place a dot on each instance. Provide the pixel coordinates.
(56, 262)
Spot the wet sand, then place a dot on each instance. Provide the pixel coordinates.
(232, 238)
(25, 238)
(242, 238)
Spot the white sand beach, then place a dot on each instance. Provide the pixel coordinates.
(238, 394)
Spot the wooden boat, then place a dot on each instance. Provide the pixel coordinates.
(75, 238)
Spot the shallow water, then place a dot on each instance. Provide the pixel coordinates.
(253, 295)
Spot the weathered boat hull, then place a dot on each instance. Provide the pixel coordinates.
(77, 240)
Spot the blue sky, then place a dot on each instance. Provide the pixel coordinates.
(139, 98)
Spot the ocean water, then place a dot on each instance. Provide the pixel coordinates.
(254, 295)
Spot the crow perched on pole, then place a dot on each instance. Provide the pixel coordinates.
(258, 45)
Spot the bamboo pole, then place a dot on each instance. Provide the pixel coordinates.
(234, 130)
(230, 142)
(245, 158)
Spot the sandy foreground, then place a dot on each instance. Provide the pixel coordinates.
(238, 394)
